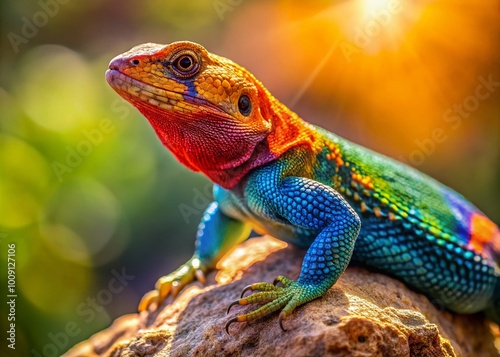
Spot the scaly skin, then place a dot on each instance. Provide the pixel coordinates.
(279, 175)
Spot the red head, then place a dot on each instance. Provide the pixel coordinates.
(211, 113)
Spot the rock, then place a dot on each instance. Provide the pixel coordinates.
(364, 314)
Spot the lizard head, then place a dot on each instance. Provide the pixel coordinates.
(211, 113)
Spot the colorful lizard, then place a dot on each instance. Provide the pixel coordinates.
(279, 175)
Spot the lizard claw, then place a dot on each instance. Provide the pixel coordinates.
(148, 299)
(236, 302)
(176, 287)
(245, 289)
(280, 321)
(200, 276)
(234, 319)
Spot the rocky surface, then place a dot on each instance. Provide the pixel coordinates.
(364, 314)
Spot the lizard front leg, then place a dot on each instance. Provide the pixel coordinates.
(217, 234)
(308, 204)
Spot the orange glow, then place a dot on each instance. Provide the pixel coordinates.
(399, 67)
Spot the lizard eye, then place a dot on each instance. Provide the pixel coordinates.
(245, 105)
(185, 64)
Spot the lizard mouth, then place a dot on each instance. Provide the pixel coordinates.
(143, 94)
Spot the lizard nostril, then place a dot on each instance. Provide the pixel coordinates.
(115, 63)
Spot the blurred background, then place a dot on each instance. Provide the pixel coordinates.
(98, 209)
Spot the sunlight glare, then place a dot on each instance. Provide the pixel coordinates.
(371, 6)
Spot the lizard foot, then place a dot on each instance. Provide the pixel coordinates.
(172, 283)
(287, 298)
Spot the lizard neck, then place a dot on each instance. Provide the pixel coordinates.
(288, 131)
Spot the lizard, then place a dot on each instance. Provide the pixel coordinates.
(277, 174)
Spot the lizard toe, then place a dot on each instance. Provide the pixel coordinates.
(274, 298)
(173, 283)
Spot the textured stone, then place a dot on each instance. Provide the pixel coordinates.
(364, 314)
